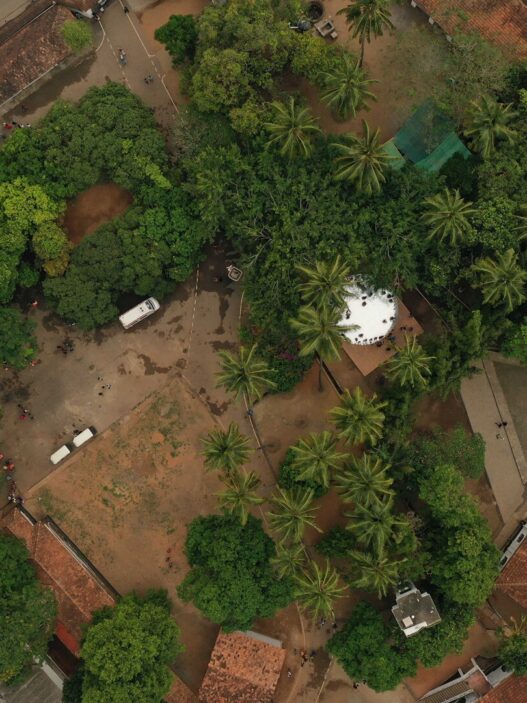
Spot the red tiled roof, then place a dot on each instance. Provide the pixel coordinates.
(32, 50)
(77, 591)
(513, 578)
(242, 669)
(503, 22)
(512, 690)
(179, 693)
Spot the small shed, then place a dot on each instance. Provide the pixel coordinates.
(414, 611)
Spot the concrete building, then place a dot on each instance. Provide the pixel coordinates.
(414, 611)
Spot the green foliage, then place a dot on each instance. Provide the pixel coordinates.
(317, 588)
(245, 376)
(515, 343)
(432, 645)
(337, 543)
(362, 160)
(458, 448)
(501, 279)
(488, 123)
(27, 612)
(460, 174)
(292, 129)
(316, 457)
(179, 35)
(513, 652)
(231, 579)
(465, 560)
(345, 89)
(363, 650)
(288, 477)
(240, 494)
(18, 345)
(359, 419)
(77, 34)
(72, 690)
(127, 651)
(293, 513)
(226, 450)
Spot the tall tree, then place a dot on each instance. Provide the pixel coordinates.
(359, 419)
(292, 129)
(365, 481)
(513, 647)
(231, 579)
(245, 375)
(376, 572)
(325, 283)
(411, 365)
(316, 456)
(367, 18)
(128, 650)
(317, 588)
(447, 215)
(488, 123)
(18, 345)
(27, 611)
(502, 280)
(226, 451)
(294, 512)
(363, 160)
(290, 559)
(345, 88)
(240, 494)
(320, 332)
(375, 526)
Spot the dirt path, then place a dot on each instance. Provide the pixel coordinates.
(93, 207)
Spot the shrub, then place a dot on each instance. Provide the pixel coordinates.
(77, 34)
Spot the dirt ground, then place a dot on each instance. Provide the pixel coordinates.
(93, 207)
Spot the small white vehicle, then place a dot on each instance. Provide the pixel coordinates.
(61, 453)
(84, 436)
(135, 315)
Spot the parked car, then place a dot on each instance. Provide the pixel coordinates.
(135, 315)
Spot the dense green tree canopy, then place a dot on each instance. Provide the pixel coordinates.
(18, 344)
(27, 611)
(231, 578)
(128, 649)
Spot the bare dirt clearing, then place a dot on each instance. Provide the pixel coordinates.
(93, 207)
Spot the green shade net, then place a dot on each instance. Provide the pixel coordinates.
(397, 160)
(428, 138)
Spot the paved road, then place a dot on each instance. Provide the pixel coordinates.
(11, 8)
(485, 408)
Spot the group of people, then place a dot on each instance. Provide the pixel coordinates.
(67, 346)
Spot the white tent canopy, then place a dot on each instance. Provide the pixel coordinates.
(374, 312)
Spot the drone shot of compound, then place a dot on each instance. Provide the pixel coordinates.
(263, 351)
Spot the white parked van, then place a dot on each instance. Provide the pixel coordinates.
(135, 315)
(84, 436)
(61, 453)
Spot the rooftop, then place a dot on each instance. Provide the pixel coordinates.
(512, 690)
(502, 22)
(372, 313)
(78, 590)
(31, 45)
(414, 611)
(244, 668)
(513, 579)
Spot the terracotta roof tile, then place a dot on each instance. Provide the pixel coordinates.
(32, 50)
(77, 592)
(503, 22)
(513, 578)
(242, 669)
(179, 693)
(512, 690)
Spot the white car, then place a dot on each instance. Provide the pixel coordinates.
(135, 315)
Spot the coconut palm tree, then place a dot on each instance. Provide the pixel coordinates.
(320, 332)
(317, 588)
(376, 525)
(294, 512)
(365, 481)
(292, 129)
(501, 280)
(345, 88)
(315, 456)
(521, 217)
(225, 451)
(325, 284)
(447, 214)
(289, 560)
(240, 494)
(368, 18)
(359, 419)
(377, 572)
(411, 365)
(244, 375)
(363, 160)
(488, 122)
